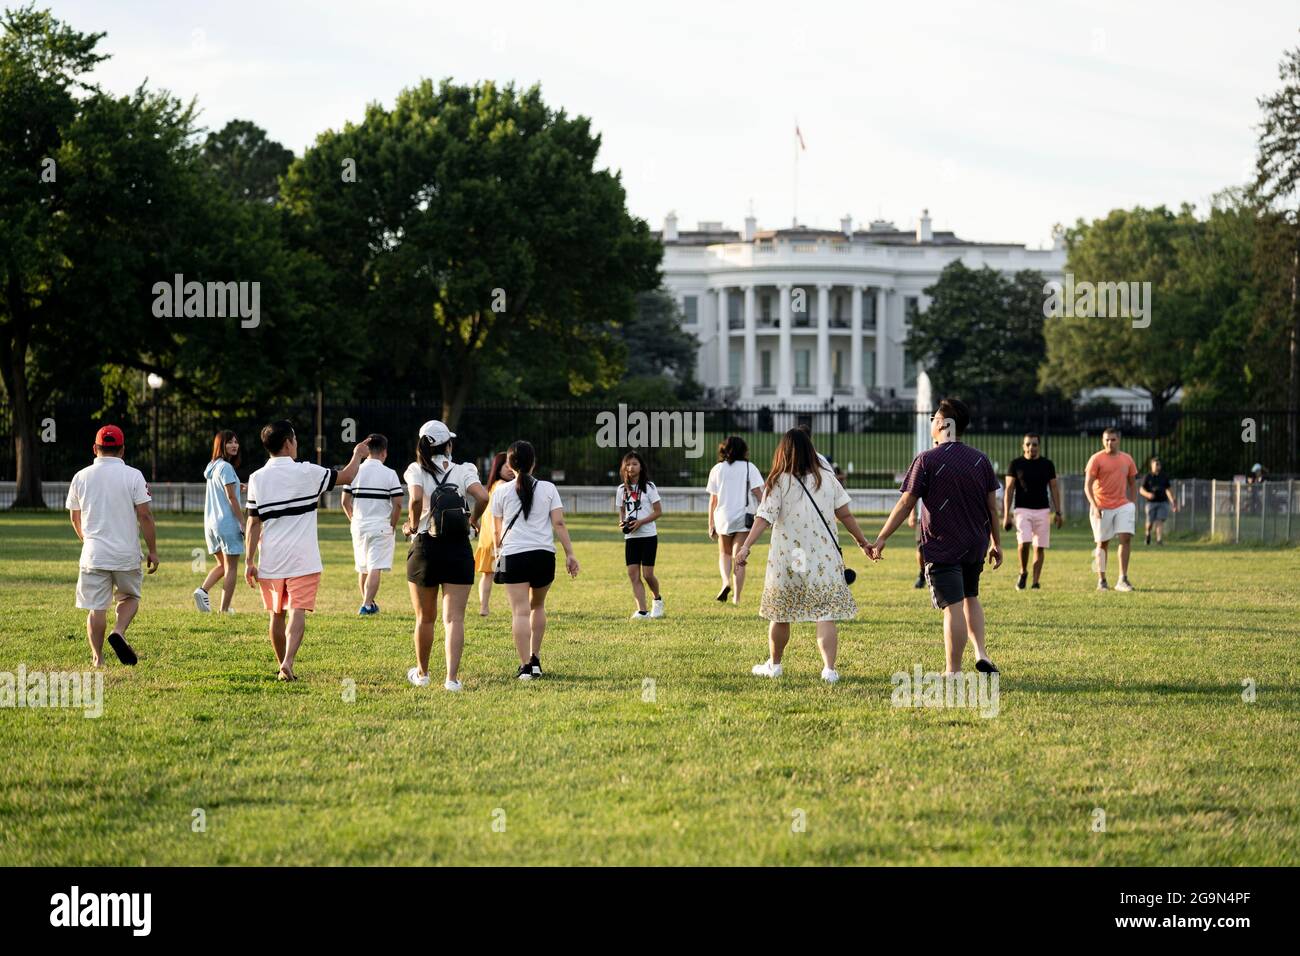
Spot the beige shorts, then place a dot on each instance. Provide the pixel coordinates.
(95, 587)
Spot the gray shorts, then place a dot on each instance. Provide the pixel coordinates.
(95, 587)
(1157, 511)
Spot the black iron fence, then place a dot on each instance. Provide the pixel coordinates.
(580, 444)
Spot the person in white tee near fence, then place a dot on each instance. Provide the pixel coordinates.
(373, 504)
(105, 502)
(528, 517)
(731, 483)
(637, 500)
(282, 499)
(440, 555)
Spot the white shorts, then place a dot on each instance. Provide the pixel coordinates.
(1114, 521)
(95, 587)
(372, 550)
(1034, 525)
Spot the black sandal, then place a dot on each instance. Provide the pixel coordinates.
(122, 649)
(722, 595)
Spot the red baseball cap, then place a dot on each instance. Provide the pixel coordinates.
(110, 436)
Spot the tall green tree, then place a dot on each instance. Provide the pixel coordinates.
(982, 335)
(1142, 246)
(248, 162)
(468, 217)
(1277, 188)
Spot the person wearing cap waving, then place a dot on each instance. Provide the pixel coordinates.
(440, 555)
(107, 501)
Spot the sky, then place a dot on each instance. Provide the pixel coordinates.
(1000, 118)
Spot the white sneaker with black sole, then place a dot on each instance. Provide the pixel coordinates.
(201, 601)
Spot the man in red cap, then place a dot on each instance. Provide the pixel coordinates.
(106, 502)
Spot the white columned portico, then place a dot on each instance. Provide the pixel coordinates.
(824, 384)
(855, 341)
(724, 340)
(785, 360)
(750, 358)
(882, 337)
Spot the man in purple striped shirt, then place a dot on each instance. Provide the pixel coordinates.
(958, 487)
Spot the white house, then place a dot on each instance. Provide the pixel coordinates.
(806, 315)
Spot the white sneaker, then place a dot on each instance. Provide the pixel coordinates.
(449, 684)
(766, 669)
(1123, 585)
(830, 676)
(201, 601)
(657, 608)
(413, 675)
(640, 616)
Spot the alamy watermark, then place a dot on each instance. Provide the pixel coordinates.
(82, 690)
(208, 300)
(624, 429)
(970, 689)
(1103, 300)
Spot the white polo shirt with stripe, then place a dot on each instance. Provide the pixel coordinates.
(373, 491)
(106, 493)
(284, 494)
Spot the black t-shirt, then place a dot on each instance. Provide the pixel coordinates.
(1032, 476)
(1158, 485)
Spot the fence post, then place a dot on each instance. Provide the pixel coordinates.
(1236, 508)
(1263, 510)
(1290, 506)
(1214, 505)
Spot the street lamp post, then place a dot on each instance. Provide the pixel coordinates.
(155, 382)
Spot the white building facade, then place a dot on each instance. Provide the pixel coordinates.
(806, 316)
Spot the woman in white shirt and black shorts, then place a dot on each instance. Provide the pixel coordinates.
(638, 503)
(732, 482)
(439, 561)
(528, 517)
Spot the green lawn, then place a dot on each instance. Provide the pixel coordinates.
(1128, 703)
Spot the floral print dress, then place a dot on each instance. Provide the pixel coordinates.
(805, 573)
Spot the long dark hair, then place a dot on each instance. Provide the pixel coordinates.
(425, 449)
(494, 473)
(522, 457)
(733, 449)
(794, 455)
(219, 447)
(643, 479)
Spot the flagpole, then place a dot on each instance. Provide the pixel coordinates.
(795, 218)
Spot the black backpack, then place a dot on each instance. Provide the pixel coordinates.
(448, 515)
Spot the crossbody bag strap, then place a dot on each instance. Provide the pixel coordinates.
(744, 489)
(825, 524)
(516, 517)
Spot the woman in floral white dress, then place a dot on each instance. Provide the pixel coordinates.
(805, 572)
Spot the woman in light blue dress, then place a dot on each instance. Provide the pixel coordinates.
(223, 520)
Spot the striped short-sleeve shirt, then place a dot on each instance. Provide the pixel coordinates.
(373, 491)
(284, 494)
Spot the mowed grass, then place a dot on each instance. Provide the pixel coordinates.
(1126, 703)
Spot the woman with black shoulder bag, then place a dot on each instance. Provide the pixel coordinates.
(732, 482)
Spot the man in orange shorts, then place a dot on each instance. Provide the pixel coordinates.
(281, 535)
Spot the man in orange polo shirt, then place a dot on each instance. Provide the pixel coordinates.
(1110, 483)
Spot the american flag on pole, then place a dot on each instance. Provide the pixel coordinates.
(799, 136)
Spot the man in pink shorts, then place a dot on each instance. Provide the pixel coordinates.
(1031, 479)
(283, 553)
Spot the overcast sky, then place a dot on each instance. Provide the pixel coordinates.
(1001, 118)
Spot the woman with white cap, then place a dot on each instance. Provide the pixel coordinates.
(440, 555)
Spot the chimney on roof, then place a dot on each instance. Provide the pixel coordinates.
(923, 231)
(751, 228)
(846, 226)
(670, 227)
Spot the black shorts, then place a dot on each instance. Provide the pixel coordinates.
(534, 568)
(641, 551)
(433, 561)
(953, 583)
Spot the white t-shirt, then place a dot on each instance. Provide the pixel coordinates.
(106, 494)
(284, 494)
(734, 483)
(531, 533)
(373, 491)
(463, 476)
(638, 505)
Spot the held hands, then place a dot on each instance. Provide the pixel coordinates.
(875, 550)
(151, 562)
